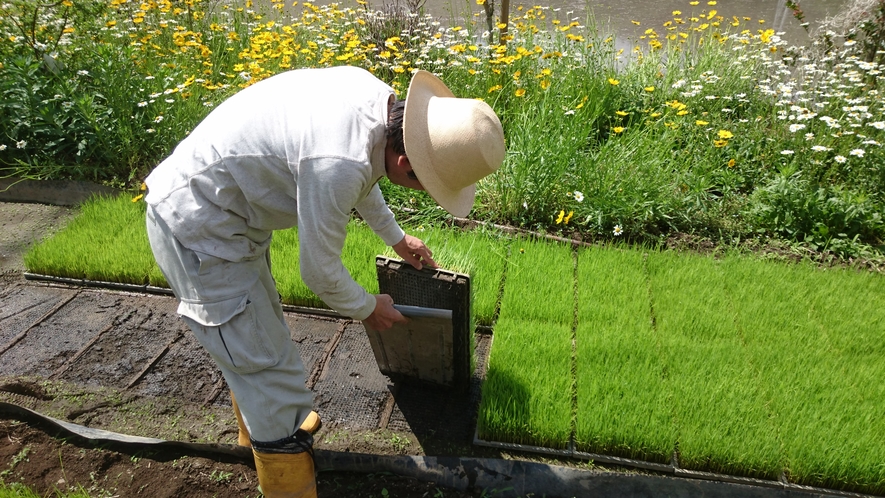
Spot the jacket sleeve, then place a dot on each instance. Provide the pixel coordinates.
(328, 189)
(380, 218)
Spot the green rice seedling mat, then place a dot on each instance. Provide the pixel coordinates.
(724, 368)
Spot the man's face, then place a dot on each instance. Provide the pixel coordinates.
(399, 170)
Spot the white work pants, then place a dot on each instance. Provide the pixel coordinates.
(233, 309)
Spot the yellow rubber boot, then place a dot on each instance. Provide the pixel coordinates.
(286, 475)
(311, 424)
(243, 435)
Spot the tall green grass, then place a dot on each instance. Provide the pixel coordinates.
(638, 134)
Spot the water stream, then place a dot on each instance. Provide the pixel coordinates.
(619, 17)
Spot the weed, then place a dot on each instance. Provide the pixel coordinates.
(19, 457)
(220, 476)
(333, 437)
(399, 443)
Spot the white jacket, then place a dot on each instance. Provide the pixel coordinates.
(301, 148)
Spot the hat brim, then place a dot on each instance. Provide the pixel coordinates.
(416, 138)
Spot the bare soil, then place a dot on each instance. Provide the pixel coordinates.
(30, 454)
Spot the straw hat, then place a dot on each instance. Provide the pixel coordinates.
(451, 143)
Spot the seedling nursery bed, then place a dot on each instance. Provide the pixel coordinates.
(726, 367)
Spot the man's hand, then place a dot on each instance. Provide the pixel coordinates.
(385, 315)
(414, 252)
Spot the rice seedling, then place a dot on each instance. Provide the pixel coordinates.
(106, 242)
(360, 248)
(817, 344)
(720, 408)
(286, 269)
(532, 405)
(480, 254)
(623, 400)
(540, 282)
(526, 396)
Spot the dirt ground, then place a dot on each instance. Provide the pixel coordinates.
(31, 455)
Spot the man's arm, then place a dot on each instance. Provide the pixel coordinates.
(326, 194)
(380, 218)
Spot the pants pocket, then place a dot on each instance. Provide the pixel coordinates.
(237, 341)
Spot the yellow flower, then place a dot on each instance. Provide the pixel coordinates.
(519, 92)
(68, 30)
(567, 217)
(480, 2)
(731, 163)
(720, 143)
(693, 3)
(137, 197)
(143, 186)
(682, 113)
(701, 123)
(622, 113)
(711, 2)
(649, 89)
(677, 12)
(613, 82)
(725, 134)
(545, 84)
(495, 88)
(560, 217)
(655, 114)
(618, 129)
(635, 22)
